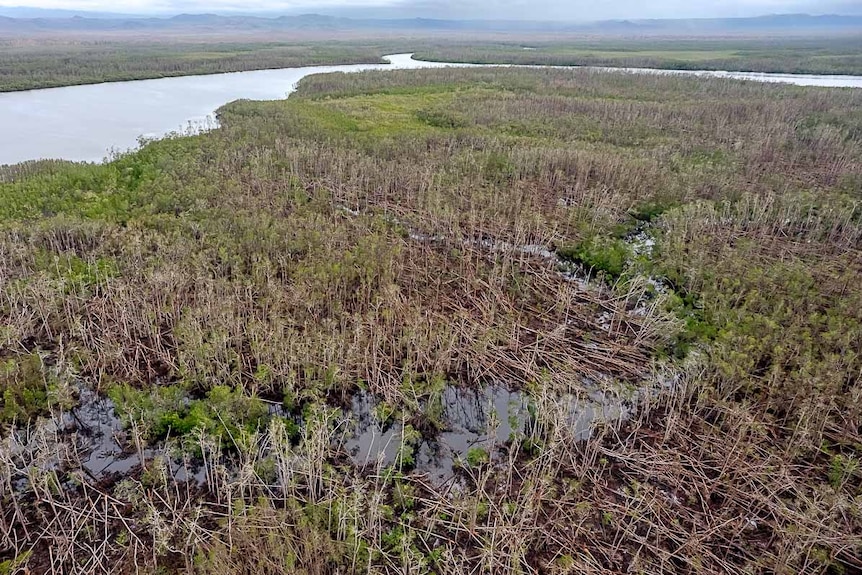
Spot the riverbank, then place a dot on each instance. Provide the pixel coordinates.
(839, 55)
(26, 64)
(96, 123)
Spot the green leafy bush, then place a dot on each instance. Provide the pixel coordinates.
(477, 456)
(223, 413)
(25, 388)
(599, 254)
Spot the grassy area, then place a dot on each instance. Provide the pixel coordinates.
(399, 235)
(840, 55)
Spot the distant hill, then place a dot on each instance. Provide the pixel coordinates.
(61, 21)
(30, 13)
(758, 23)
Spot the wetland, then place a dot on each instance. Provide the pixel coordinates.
(448, 320)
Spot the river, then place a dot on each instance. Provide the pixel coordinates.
(87, 123)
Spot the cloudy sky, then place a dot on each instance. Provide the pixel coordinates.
(577, 10)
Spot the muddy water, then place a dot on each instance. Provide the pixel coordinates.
(98, 432)
(489, 419)
(98, 436)
(92, 438)
(484, 419)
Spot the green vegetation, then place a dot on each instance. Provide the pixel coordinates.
(390, 232)
(25, 389)
(11, 565)
(477, 456)
(27, 65)
(168, 411)
(609, 256)
(841, 54)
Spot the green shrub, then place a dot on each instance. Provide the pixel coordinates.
(25, 388)
(651, 210)
(406, 458)
(441, 119)
(599, 254)
(477, 456)
(11, 566)
(224, 413)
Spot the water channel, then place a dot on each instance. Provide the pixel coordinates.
(88, 123)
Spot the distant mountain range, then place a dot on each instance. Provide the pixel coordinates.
(21, 21)
(29, 13)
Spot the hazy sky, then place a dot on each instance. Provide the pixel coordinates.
(486, 9)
